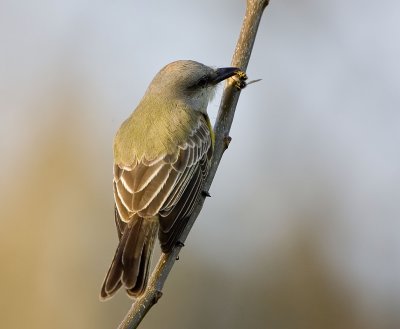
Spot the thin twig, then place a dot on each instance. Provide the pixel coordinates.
(230, 97)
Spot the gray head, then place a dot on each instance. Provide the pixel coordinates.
(188, 82)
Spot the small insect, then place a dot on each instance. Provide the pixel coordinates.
(240, 78)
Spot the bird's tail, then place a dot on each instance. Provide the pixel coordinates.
(130, 266)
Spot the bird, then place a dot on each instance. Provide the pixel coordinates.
(162, 155)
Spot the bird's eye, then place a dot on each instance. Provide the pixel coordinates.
(203, 81)
(200, 83)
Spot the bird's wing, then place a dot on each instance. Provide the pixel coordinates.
(118, 222)
(168, 186)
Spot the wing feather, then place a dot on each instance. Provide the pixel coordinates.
(142, 199)
(123, 195)
(154, 206)
(181, 163)
(172, 225)
(178, 190)
(167, 186)
(145, 174)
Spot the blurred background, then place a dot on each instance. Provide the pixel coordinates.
(302, 230)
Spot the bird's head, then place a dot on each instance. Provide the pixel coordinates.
(188, 82)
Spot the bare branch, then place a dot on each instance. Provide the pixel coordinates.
(230, 97)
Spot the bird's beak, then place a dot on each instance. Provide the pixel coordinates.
(224, 73)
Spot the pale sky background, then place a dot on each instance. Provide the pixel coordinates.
(314, 161)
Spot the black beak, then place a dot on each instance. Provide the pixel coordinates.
(224, 73)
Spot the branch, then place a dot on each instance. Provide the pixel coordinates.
(230, 97)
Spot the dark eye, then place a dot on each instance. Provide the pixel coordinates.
(202, 82)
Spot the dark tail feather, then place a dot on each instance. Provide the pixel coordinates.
(130, 266)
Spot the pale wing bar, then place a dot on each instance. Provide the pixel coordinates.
(149, 187)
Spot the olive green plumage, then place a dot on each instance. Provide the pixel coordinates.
(162, 129)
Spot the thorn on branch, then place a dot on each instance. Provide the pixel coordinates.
(227, 141)
(180, 244)
(157, 296)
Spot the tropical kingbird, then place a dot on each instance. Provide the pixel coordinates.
(162, 155)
